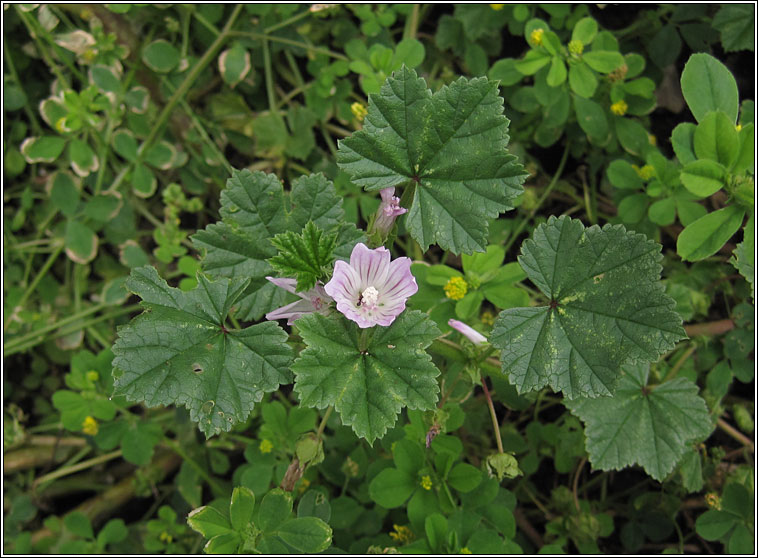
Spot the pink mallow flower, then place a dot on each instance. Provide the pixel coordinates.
(469, 332)
(313, 300)
(371, 290)
(389, 210)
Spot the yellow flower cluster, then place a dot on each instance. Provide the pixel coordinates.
(619, 107)
(645, 173)
(90, 426)
(713, 500)
(351, 468)
(576, 47)
(456, 288)
(536, 36)
(359, 111)
(497, 7)
(426, 482)
(166, 537)
(465, 550)
(401, 534)
(488, 318)
(265, 446)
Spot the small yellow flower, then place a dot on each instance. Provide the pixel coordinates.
(576, 47)
(536, 36)
(497, 7)
(426, 482)
(165, 537)
(619, 107)
(401, 534)
(93, 376)
(652, 139)
(488, 318)
(619, 73)
(465, 550)
(265, 446)
(89, 426)
(645, 173)
(738, 127)
(351, 468)
(713, 500)
(359, 111)
(456, 288)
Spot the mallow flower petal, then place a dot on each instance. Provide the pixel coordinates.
(286, 284)
(372, 265)
(371, 290)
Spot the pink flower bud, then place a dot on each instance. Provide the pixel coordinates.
(469, 332)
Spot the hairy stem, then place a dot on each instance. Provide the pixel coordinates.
(736, 434)
(64, 471)
(709, 328)
(493, 416)
(322, 424)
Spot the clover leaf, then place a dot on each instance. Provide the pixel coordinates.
(254, 210)
(607, 308)
(179, 351)
(368, 375)
(273, 531)
(450, 146)
(649, 425)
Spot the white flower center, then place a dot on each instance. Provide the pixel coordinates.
(369, 297)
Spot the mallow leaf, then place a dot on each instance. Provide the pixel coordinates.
(254, 209)
(647, 425)
(607, 308)
(744, 254)
(307, 256)
(369, 375)
(179, 351)
(451, 146)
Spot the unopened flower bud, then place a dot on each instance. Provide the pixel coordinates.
(388, 211)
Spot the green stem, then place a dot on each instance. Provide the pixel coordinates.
(542, 199)
(269, 78)
(304, 46)
(12, 69)
(176, 448)
(42, 49)
(679, 363)
(322, 424)
(411, 25)
(64, 471)
(328, 139)
(104, 154)
(736, 434)
(200, 128)
(42, 272)
(92, 332)
(19, 347)
(207, 58)
(287, 22)
(295, 70)
(56, 325)
(493, 416)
